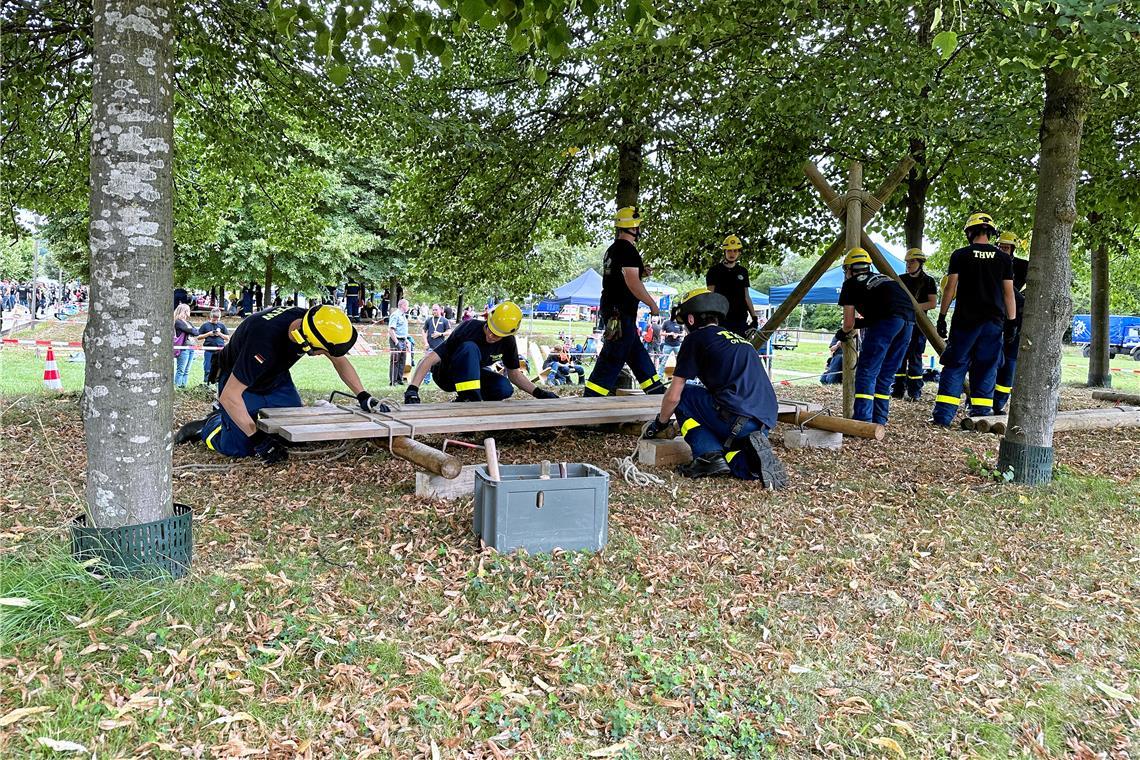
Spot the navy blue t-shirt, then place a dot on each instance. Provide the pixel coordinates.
(471, 331)
(213, 340)
(261, 350)
(616, 295)
(731, 369)
(876, 297)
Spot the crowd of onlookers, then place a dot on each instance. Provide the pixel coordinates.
(48, 298)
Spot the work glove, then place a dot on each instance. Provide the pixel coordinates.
(370, 403)
(543, 393)
(655, 428)
(269, 448)
(412, 394)
(941, 326)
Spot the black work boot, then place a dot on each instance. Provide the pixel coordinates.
(765, 462)
(709, 465)
(657, 389)
(469, 396)
(191, 432)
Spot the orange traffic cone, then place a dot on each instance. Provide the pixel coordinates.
(51, 373)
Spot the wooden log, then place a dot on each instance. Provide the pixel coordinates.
(835, 425)
(1117, 397)
(425, 456)
(997, 423)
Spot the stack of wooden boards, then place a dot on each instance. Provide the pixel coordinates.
(335, 423)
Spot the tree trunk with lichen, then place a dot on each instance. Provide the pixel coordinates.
(1027, 449)
(128, 388)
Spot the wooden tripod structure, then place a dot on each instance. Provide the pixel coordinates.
(854, 210)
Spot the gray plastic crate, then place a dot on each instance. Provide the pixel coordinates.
(523, 511)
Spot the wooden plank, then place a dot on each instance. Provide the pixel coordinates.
(363, 429)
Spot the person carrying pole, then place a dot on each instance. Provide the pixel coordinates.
(908, 377)
(1011, 335)
(622, 291)
(730, 279)
(887, 322)
(726, 419)
(463, 362)
(980, 279)
(252, 373)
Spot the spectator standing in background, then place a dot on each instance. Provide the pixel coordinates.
(212, 334)
(184, 332)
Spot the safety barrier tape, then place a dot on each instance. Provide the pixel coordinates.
(79, 344)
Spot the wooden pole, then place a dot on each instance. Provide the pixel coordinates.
(425, 456)
(827, 260)
(1117, 397)
(834, 424)
(835, 202)
(852, 235)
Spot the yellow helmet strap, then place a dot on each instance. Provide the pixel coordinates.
(299, 339)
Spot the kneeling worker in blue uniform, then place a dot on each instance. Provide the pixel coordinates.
(726, 419)
(888, 318)
(462, 362)
(253, 374)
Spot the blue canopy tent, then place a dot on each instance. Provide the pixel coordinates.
(583, 290)
(758, 298)
(826, 289)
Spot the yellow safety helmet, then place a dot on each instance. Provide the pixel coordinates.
(504, 319)
(1007, 238)
(915, 254)
(732, 243)
(627, 217)
(980, 219)
(856, 256)
(325, 328)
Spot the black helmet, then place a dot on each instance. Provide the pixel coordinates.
(701, 301)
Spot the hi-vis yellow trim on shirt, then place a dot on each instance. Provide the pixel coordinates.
(981, 402)
(688, 425)
(467, 385)
(597, 388)
(943, 399)
(646, 383)
(210, 438)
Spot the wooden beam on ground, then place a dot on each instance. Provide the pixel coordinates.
(827, 260)
(1078, 419)
(834, 424)
(664, 453)
(1117, 397)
